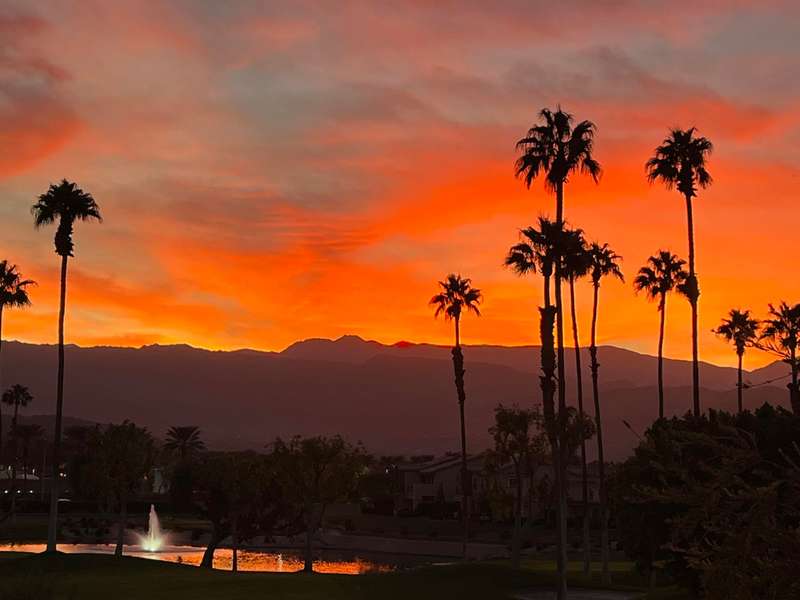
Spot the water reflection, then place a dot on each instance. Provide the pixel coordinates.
(249, 560)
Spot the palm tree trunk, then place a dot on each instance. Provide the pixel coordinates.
(208, 556)
(561, 476)
(601, 467)
(587, 550)
(662, 307)
(14, 459)
(235, 545)
(123, 519)
(458, 368)
(1, 382)
(308, 557)
(739, 383)
(794, 391)
(694, 294)
(52, 528)
(517, 542)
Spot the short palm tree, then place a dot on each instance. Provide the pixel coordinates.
(556, 148)
(780, 335)
(663, 273)
(185, 440)
(604, 262)
(680, 162)
(17, 396)
(741, 330)
(26, 434)
(13, 294)
(455, 298)
(64, 204)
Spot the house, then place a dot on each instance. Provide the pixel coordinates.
(439, 480)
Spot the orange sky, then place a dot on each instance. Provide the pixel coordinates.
(272, 174)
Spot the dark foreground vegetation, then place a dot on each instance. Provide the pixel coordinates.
(89, 577)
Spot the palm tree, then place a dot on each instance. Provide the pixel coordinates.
(604, 263)
(457, 296)
(65, 204)
(26, 434)
(185, 440)
(17, 396)
(741, 330)
(680, 162)
(780, 335)
(663, 273)
(13, 294)
(577, 263)
(536, 252)
(556, 148)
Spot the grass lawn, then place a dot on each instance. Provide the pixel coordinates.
(86, 577)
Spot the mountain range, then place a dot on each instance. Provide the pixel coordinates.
(394, 398)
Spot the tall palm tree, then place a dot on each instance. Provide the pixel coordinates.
(780, 335)
(455, 298)
(556, 148)
(680, 162)
(13, 294)
(741, 330)
(185, 440)
(577, 262)
(663, 273)
(64, 204)
(604, 263)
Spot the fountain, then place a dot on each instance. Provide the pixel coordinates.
(154, 540)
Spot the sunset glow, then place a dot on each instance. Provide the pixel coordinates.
(273, 174)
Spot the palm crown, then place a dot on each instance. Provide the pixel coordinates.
(65, 203)
(185, 440)
(604, 262)
(738, 328)
(17, 395)
(662, 273)
(13, 293)
(538, 248)
(680, 161)
(576, 259)
(456, 295)
(557, 148)
(780, 333)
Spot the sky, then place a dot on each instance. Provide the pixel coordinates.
(270, 172)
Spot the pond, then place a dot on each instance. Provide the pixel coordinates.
(249, 560)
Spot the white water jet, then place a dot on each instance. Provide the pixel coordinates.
(154, 540)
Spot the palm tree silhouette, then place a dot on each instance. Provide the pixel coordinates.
(456, 297)
(17, 396)
(65, 204)
(680, 162)
(537, 253)
(604, 262)
(185, 440)
(26, 434)
(577, 263)
(557, 148)
(780, 335)
(663, 273)
(741, 330)
(13, 294)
